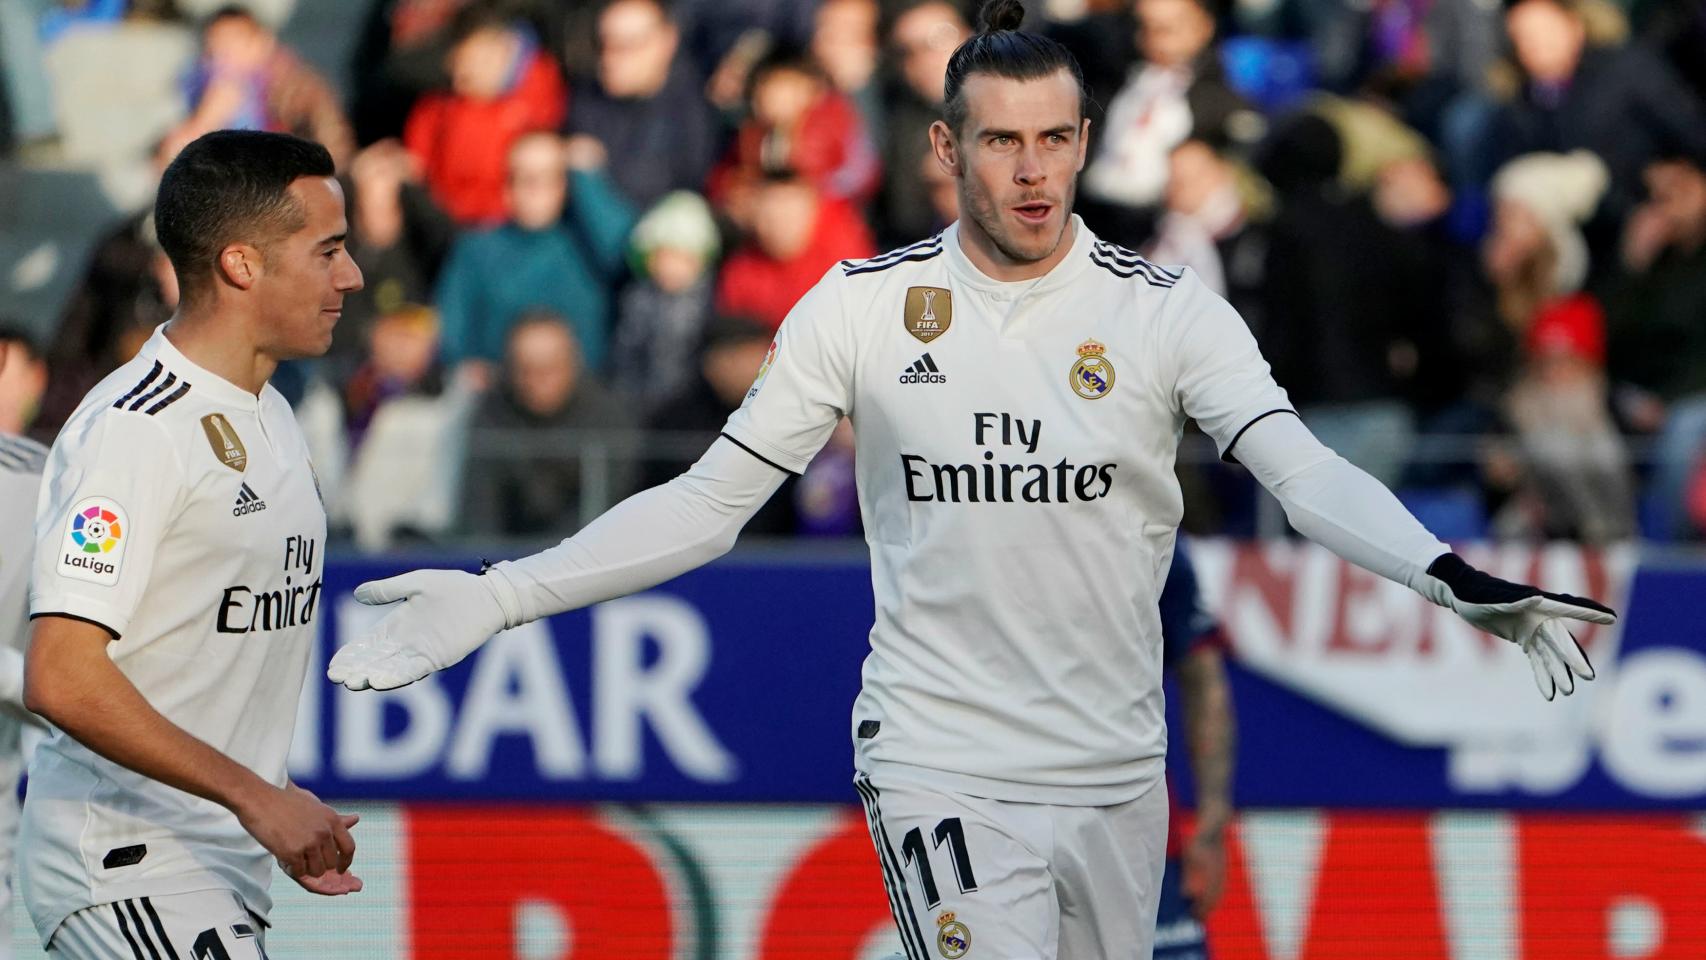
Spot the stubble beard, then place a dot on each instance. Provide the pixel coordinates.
(988, 219)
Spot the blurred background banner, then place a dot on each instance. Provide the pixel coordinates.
(735, 684)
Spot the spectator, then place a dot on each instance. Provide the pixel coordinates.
(23, 379)
(401, 360)
(397, 235)
(1576, 478)
(525, 481)
(1337, 303)
(797, 235)
(127, 290)
(730, 355)
(1177, 87)
(1212, 207)
(539, 258)
(399, 57)
(1619, 102)
(1658, 342)
(661, 315)
(796, 119)
(501, 87)
(844, 41)
(247, 80)
(922, 38)
(646, 105)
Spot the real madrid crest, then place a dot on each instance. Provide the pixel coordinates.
(953, 939)
(1092, 375)
(929, 311)
(225, 442)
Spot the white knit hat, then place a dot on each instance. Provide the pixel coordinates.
(1562, 190)
(680, 221)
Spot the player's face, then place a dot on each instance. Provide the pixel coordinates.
(307, 274)
(1017, 159)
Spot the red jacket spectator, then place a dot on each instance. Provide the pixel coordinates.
(829, 147)
(462, 141)
(797, 235)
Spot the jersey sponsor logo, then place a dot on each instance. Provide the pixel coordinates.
(247, 502)
(245, 609)
(929, 311)
(763, 370)
(94, 541)
(1004, 481)
(227, 446)
(1092, 374)
(953, 938)
(923, 370)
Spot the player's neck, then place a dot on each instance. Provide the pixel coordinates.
(992, 263)
(223, 349)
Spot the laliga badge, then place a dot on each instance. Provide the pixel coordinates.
(953, 940)
(226, 445)
(1092, 375)
(929, 311)
(94, 541)
(763, 370)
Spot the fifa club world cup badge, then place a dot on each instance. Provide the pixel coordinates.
(929, 311)
(1092, 375)
(226, 445)
(953, 940)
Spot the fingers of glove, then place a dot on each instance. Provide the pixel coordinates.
(1546, 638)
(399, 669)
(1542, 676)
(1559, 605)
(400, 587)
(348, 666)
(1574, 655)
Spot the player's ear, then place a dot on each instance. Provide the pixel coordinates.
(945, 147)
(240, 265)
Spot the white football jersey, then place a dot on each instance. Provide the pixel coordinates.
(21, 462)
(1015, 448)
(179, 512)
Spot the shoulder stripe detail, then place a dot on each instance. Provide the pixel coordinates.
(169, 399)
(1127, 273)
(919, 257)
(159, 388)
(929, 247)
(152, 373)
(1129, 264)
(760, 456)
(22, 455)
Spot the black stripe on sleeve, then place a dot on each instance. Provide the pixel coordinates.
(152, 373)
(124, 928)
(758, 455)
(169, 399)
(1227, 456)
(159, 928)
(73, 616)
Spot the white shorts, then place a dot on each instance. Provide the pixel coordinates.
(1018, 881)
(204, 925)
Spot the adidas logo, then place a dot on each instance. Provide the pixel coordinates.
(923, 370)
(247, 502)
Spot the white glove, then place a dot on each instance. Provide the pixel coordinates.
(1527, 616)
(444, 616)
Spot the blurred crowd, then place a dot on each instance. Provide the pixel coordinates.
(1470, 238)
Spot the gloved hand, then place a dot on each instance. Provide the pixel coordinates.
(444, 616)
(1527, 616)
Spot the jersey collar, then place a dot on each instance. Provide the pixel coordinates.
(207, 383)
(1063, 273)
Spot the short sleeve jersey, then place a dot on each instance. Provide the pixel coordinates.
(179, 513)
(1015, 450)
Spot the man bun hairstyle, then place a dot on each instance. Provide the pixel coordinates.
(1001, 49)
(231, 186)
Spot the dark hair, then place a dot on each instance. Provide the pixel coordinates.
(478, 17)
(12, 332)
(784, 58)
(1001, 49)
(230, 11)
(231, 186)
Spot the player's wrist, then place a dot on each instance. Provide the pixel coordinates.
(1212, 819)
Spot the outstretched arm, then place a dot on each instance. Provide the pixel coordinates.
(1350, 513)
(650, 537)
